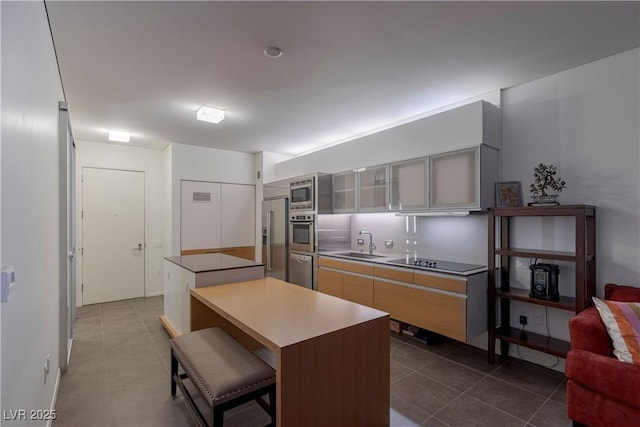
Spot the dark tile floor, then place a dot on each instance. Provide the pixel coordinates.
(119, 376)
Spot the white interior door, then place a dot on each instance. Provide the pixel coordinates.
(113, 241)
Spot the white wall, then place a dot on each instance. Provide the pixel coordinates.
(31, 90)
(112, 156)
(455, 128)
(585, 121)
(268, 161)
(201, 164)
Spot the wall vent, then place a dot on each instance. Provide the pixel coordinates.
(199, 197)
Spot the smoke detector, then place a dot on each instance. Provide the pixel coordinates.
(273, 52)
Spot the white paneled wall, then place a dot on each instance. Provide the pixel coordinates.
(31, 90)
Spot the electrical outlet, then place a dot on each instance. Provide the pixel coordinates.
(522, 263)
(47, 367)
(538, 318)
(523, 320)
(360, 241)
(388, 243)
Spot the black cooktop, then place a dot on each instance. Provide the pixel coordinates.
(435, 264)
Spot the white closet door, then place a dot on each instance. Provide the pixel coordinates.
(238, 215)
(200, 215)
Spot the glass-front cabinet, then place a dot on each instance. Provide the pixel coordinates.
(408, 185)
(461, 180)
(454, 180)
(344, 192)
(373, 188)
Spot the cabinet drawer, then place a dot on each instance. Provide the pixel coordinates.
(353, 267)
(330, 262)
(439, 282)
(431, 310)
(357, 289)
(393, 274)
(330, 282)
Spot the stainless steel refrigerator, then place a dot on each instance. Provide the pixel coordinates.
(275, 238)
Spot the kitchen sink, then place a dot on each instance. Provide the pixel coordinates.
(359, 255)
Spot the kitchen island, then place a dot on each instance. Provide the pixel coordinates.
(331, 355)
(182, 273)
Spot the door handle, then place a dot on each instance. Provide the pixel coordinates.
(139, 248)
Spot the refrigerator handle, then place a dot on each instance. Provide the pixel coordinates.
(269, 240)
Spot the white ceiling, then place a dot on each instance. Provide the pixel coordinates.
(347, 67)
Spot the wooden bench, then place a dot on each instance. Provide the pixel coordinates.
(224, 373)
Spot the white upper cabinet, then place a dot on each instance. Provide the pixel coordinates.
(238, 215)
(463, 179)
(215, 215)
(408, 185)
(200, 215)
(373, 189)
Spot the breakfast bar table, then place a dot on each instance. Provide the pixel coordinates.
(332, 355)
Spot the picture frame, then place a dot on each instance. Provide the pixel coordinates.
(508, 194)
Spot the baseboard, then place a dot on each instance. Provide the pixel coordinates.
(54, 398)
(69, 346)
(155, 294)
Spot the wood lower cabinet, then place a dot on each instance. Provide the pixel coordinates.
(357, 289)
(330, 282)
(429, 309)
(454, 306)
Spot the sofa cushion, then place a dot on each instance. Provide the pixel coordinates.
(622, 320)
(589, 333)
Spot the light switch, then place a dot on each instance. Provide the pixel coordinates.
(8, 282)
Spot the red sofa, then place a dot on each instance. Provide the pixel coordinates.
(601, 390)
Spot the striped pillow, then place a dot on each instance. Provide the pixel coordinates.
(622, 320)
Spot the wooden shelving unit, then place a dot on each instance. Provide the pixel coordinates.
(500, 291)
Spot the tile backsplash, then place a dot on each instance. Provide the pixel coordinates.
(461, 239)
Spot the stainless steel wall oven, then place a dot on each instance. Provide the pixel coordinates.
(302, 231)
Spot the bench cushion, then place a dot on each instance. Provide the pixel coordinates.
(220, 366)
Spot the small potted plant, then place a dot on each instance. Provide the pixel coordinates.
(544, 179)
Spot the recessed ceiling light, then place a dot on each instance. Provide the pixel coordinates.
(119, 136)
(273, 52)
(210, 114)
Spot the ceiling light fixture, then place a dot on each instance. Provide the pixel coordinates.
(119, 136)
(210, 114)
(273, 52)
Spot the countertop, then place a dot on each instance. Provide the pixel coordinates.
(383, 259)
(211, 262)
(280, 313)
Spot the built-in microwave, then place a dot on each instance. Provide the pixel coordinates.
(302, 230)
(301, 197)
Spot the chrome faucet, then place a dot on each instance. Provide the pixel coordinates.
(372, 246)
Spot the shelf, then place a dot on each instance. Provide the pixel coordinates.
(535, 253)
(500, 233)
(565, 303)
(538, 342)
(560, 210)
